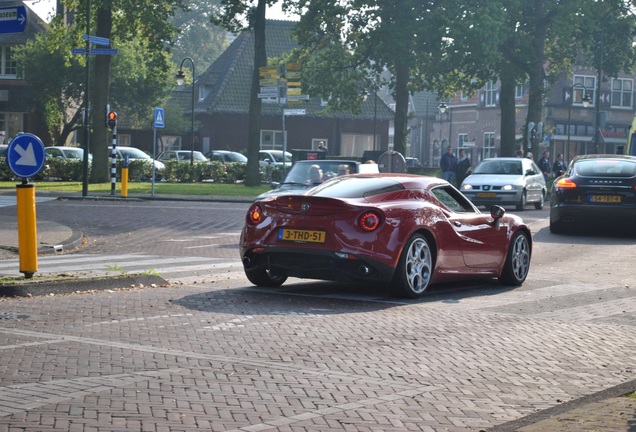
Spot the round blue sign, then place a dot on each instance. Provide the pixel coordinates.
(25, 155)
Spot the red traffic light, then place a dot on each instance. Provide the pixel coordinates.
(111, 119)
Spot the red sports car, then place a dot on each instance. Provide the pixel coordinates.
(406, 231)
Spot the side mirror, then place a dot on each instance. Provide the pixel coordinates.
(496, 212)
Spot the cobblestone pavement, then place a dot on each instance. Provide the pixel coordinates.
(309, 356)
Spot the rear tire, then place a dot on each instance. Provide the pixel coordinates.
(539, 205)
(517, 263)
(415, 269)
(264, 278)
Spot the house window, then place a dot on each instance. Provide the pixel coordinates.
(461, 139)
(589, 82)
(271, 140)
(489, 145)
(490, 94)
(520, 91)
(8, 67)
(622, 91)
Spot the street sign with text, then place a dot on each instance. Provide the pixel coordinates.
(13, 19)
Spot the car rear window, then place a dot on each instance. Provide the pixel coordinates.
(605, 168)
(357, 187)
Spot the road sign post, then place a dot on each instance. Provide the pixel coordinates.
(159, 122)
(26, 156)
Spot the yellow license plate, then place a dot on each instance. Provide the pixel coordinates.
(486, 195)
(299, 235)
(606, 198)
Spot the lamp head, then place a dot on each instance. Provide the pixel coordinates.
(180, 78)
(586, 100)
(442, 107)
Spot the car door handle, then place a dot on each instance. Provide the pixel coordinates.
(457, 223)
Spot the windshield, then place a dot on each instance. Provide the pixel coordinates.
(196, 155)
(74, 153)
(512, 167)
(133, 153)
(315, 172)
(236, 157)
(278, 157)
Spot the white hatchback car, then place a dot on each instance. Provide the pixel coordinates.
(506, 181)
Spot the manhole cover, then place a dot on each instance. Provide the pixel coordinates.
(8, 316)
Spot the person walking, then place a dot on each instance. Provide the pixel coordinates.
(545, 166)
(448, 164)
(463, 165)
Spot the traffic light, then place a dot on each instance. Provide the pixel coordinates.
(111, 120)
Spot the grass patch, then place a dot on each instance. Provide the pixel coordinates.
(632, 395)
(146, 188)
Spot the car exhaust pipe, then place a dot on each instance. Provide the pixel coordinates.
(247, 262)
(364, 270)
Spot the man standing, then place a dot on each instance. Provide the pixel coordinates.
(448, 164)
(559, 166)
(463, 165)
(545, 166)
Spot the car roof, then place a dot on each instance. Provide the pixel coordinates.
(604, 156)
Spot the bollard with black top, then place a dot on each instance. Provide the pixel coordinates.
(111, 122)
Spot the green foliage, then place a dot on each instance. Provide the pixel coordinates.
(181, 171)
(63, 169)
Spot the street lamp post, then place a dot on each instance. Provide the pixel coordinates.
(585, 101)
(180, 80)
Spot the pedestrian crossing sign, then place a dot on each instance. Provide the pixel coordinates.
(159, 118)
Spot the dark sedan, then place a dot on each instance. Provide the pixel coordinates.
(596, 190)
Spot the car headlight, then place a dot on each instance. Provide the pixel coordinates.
(507, 187)
(467, 187)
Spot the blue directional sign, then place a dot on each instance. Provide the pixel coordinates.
(25, 155)
(160, 120)
(13, 19)
(97, 40)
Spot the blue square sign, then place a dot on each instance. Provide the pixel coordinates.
(160, 120)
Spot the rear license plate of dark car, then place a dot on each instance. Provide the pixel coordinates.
(299, 235)
(612, 199)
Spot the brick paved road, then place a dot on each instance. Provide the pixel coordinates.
(225, 356)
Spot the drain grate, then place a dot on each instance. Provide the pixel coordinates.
(12, 316)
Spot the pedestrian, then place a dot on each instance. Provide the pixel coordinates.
(322, 146)
(463, 167)
(519, 154)
(545, 166)
(529, 156)
(448, 164)
(559, 167)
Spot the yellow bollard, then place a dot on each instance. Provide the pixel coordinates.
(27, 229)
(124, 182)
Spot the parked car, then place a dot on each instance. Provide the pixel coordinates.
(133, 153)
(66, 152)
(403, 230)
(226, 156)
(298, 178)
(413, 162)
(182, 155)
(506, 181)
(595, 191)
(274, 158)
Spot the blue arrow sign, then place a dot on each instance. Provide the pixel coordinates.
(13, 19)
(160, 120)
(25, 155)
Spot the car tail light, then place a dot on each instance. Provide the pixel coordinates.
(255, 214)
(369, 221)
(566, 183)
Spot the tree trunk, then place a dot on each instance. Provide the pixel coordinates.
(252, 176)
(401, 105)
(536, 78)
(101, 137)
(507, 107)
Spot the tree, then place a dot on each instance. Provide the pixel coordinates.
(347, 45)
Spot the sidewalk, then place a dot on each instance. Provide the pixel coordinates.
(606, 411)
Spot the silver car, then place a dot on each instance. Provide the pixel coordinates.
(506, 181)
